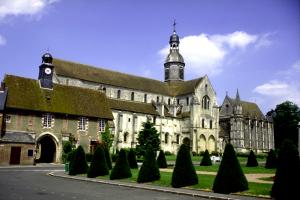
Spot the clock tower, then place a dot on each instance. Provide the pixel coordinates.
(46, 71)
(174, 63)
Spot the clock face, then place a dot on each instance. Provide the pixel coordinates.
(48, 71)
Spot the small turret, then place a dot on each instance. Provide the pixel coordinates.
(46, 71)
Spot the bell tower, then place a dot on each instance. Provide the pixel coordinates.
(46, 71)
(174, 63)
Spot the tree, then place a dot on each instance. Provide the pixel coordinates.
(287, 174)
(184, 173)
(252, 162)
(78, 164)
(161, 160)
(285, 117)
(107, 156)
(132, 159)
(149, 170)
(206, 161)
(107, 137)
(67, 148)
(230, 177)
(121, 168)
(148, 136)
(98, 165)
(271, 160)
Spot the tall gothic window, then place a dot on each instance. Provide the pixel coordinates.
(125, 139)
(169, 101)
(119, 94)
(145, 98)
(187, 101)
(132, 96)
(82, 123)
(166, 138)
(203, 123)
(157, 99)
(47, 119)
(210, 124)
(205, 102)
(101, 125)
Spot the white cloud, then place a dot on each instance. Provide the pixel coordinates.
(206, 54)
(23, 7)
(2, 40)
(273, 88)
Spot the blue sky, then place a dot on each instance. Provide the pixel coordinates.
(250, 45)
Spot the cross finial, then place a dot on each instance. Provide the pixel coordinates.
(174, 26)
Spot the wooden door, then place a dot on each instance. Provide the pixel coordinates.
(15, 155)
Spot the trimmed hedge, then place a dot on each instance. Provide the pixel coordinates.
(132, 159)
(271, 161)
(288, 172)
(206, 161)
(107, 156)
(161, 160)
(121, 168)
(78, 164)
(230, 177)
(184, 173)
(98, 165)
(252, 162)
(149, 170)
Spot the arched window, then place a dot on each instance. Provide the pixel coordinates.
(177, 101)
(169, 101)
(132, 96)
(157, 99)
(145, 98)
(125, 137)
(187, 101)
(210, 124)
(119, 94)
(166, 138)
(203, 123)
(205, 102)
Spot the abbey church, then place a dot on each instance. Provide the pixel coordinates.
(72, 101)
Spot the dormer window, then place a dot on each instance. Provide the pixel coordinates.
(82, 123)
(47, 120)
(132, 96)
(119, 94)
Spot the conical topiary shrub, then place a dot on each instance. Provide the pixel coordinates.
(252, 162)
(184, 173)
(107, 156)
(271, 161)
(121, 168)
(288, 172)
(98, 165)
(149, 170)
(206, 161)
(132, 159)
(161, 160)
(230, 177)
(78, 164)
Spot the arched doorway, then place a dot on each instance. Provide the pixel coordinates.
(202, 143)
(211, 144)
(47, 149)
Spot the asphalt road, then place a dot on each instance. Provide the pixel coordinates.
(33, 183)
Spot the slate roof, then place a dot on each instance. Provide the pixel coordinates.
(133, 106)
(118, 79)
(17, 137)
(3, 95)
(26, 94)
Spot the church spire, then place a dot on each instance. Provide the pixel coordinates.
(237, 97)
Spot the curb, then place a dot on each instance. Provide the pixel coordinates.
(149, 187)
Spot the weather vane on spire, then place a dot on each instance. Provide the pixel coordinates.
(174, 26)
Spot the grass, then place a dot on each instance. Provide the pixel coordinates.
(271, 178)
(199, 158)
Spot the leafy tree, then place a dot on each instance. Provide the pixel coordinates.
(184, 173)
(271, 160)
(287, 174)
(132, 159)
(285, 117)
(121, 168)
(148, 136)
(161, 160)
(67, 148)
(98, 165)
(230, 177)
(107, 156)
(252, 162)
(107, 137)
(206, 161)
(149, 170)
(78, 164)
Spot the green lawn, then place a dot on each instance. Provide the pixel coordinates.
(205, 183)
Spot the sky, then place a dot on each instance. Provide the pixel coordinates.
(250, 45)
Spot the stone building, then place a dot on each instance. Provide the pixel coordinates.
(182, 111)
(244, 126)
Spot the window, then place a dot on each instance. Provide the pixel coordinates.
(7, 119)
(82, 123)
(154, 120)
(47, 119)
(119, 94)
(101, 125)
(120, 122)
(125, 137)
(166, 138)
(30, 153)
(177, 101)
(205, 87)
(203, 123)
(187, 101)
(177, 139)
(104, 90)
(210, 124)
(157, 99)
(205, 102)
(132, 96)
(145, 98)
(169, 101)
(128, 119)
